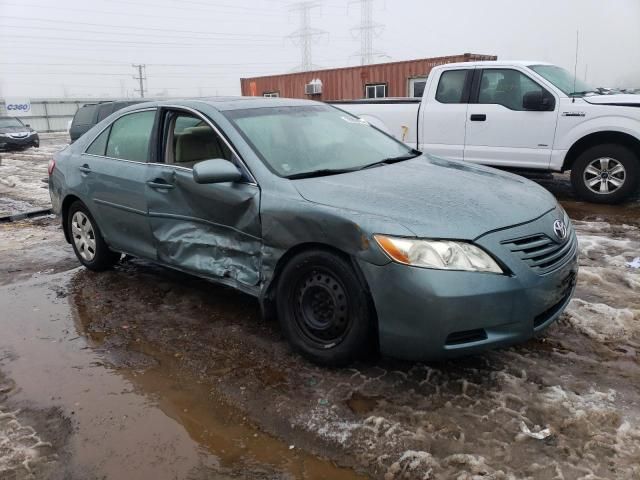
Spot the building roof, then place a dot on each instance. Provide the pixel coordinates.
(443, 59)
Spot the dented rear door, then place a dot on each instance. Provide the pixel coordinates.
(212, 230)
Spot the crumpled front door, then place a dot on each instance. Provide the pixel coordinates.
(211, 230)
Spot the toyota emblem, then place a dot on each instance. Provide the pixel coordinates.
(560, 229)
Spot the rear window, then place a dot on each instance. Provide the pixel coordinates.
(85, 115)
(104, 111)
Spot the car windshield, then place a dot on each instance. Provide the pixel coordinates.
(563, 79)
(315, 140)
(10, 122)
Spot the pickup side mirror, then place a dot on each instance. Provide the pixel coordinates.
(538, 101)
(216, 171)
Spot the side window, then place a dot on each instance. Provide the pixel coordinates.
(130, 136)
(451, 86)
(191, 140)
(506, 87)
(99, 145)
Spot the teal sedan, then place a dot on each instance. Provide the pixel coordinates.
(354, 241)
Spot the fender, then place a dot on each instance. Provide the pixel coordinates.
(599, 124)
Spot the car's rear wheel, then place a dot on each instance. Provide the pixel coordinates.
(87, 241)
(323, 308)
(606, 174)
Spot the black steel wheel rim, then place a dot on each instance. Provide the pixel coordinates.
(322, 308)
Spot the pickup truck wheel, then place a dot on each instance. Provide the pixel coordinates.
(323, 309)
(606, 174)
(87, 241)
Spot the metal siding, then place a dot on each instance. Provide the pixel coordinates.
(348, 83)
(52, 114)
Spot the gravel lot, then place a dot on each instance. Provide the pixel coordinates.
(141, 372)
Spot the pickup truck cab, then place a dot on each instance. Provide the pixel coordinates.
(523, 116)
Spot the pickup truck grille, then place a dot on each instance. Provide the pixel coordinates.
(542, 253)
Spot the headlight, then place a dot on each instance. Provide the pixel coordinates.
(438, 254)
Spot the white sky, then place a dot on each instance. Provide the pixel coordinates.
(197, 47)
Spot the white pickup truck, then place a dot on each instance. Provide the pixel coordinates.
(521, 116)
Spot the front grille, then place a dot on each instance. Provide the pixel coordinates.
(542, 253)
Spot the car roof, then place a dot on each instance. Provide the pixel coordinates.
(231, 103)
(496, 63)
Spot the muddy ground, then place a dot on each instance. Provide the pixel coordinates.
(141, 372)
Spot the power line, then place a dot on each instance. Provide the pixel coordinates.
(141, 78)
(111, 41)
(305, 35)
(121, 12)
(162, 32)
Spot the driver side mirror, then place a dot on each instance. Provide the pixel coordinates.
(216, 171)
(538, 101)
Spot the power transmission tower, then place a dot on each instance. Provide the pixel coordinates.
(367, 30)
(141, 77)
(305, 35)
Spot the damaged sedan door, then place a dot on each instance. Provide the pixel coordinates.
(210, 227)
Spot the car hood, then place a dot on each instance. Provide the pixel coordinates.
(622, 99)
(433, 197)
(14, 130)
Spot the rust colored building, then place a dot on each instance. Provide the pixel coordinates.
(395, 79)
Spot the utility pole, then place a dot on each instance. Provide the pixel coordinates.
(368, 29)
(141, 77)
(305, 35)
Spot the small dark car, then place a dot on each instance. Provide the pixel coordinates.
(90, 114)
(15, 135)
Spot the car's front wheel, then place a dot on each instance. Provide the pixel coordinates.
(324, 310)
(606, 174)
(87, 241)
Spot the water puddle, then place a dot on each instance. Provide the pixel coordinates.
(143, 418)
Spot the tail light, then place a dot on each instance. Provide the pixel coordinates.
(52, 165)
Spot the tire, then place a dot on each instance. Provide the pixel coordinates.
(87, 241)
(324, 310)
(612, 170)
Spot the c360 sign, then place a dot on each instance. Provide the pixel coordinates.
(18, 106)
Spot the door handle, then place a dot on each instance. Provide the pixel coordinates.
(478, 117)
(159, 184)
(85, 168)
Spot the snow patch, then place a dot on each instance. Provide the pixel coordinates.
(602, 322)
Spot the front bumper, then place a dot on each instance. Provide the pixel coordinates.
(8, 143)
(426, 314)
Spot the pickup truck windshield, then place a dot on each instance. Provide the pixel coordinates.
(10, 122)
(315, 140)
(563, 79)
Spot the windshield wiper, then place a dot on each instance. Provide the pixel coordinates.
(583, 93)
(401, 158)
(321, 173)
(335, 171)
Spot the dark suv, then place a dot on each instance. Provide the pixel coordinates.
(15, 135)
(90, 114)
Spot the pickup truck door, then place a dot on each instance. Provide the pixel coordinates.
(499, 131)
(443, 113)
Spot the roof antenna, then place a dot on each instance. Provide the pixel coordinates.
(575, 67)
